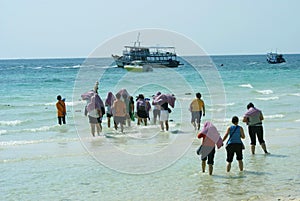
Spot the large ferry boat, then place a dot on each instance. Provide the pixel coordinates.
(154, 56)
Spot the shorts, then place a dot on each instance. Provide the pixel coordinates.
(256, 131)
(108, 115)
(234, 148)
(196, 115)
(210, 156)
(95, 120)
(120, 120)
(142, 114)
(164, 115)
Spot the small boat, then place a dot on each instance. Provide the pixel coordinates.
(138, 66)
(156, 56)
(274, 58)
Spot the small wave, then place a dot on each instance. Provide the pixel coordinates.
(70, 67)
(274, 116)
(268, 98)
(3, 132)
(295, 94)
(54, 80)
(246, 86)
(298, 120)
(11, 123)
(25, 142)
(225, 104)
(36, 68)
(67, 103)
(44, 128)
(252, 63)
(266, 92)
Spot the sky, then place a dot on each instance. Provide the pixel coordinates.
(73, 28)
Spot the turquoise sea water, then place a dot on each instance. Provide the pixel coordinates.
(40, 160)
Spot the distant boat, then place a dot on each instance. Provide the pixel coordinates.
(138, 66)
(274, 58)
(154, 56)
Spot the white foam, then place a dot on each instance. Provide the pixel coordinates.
(295, 94)
(266, 92)
(268, 98)
(274, 116)
(3, 132)
(225, 104)
(10, 123)
(246, 86)
(68, 103)
(25, 142)
(44, 128)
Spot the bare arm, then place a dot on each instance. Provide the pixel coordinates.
(242, 133)
(245, 119)
(261, 117)
(226, 134)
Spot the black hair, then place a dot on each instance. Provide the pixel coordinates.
(118, 96)
(235, 120)
(58, 97)
(250, 105)
(198, 95)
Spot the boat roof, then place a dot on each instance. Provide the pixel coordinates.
(150, 47)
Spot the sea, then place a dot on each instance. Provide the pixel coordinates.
(41, 160)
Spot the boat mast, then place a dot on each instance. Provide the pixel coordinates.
(138, 40)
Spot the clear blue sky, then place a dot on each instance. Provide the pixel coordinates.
(70, 28)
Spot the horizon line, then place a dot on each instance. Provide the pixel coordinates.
(85, 57)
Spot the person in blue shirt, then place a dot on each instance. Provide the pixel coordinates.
(234, 143)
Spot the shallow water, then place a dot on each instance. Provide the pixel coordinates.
(40, 160)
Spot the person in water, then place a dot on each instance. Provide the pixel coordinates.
(211, 138)
(234, 143)
(253, 118)
(119, 112)
(141, 108)
(197, 109)
(61, 110)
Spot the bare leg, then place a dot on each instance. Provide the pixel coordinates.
(253, 149)
(263, 146)
(122, 127)
(241, 165)
(228, 167)
(198, 126)
(162, 125)
(98, 127)
(194, 124)
(116, 126)
(167, 126)
(129, 122)
(203, 166)
(145, 121)
(139, 121)
(108, 122)
(210, 169)
(93, 129)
